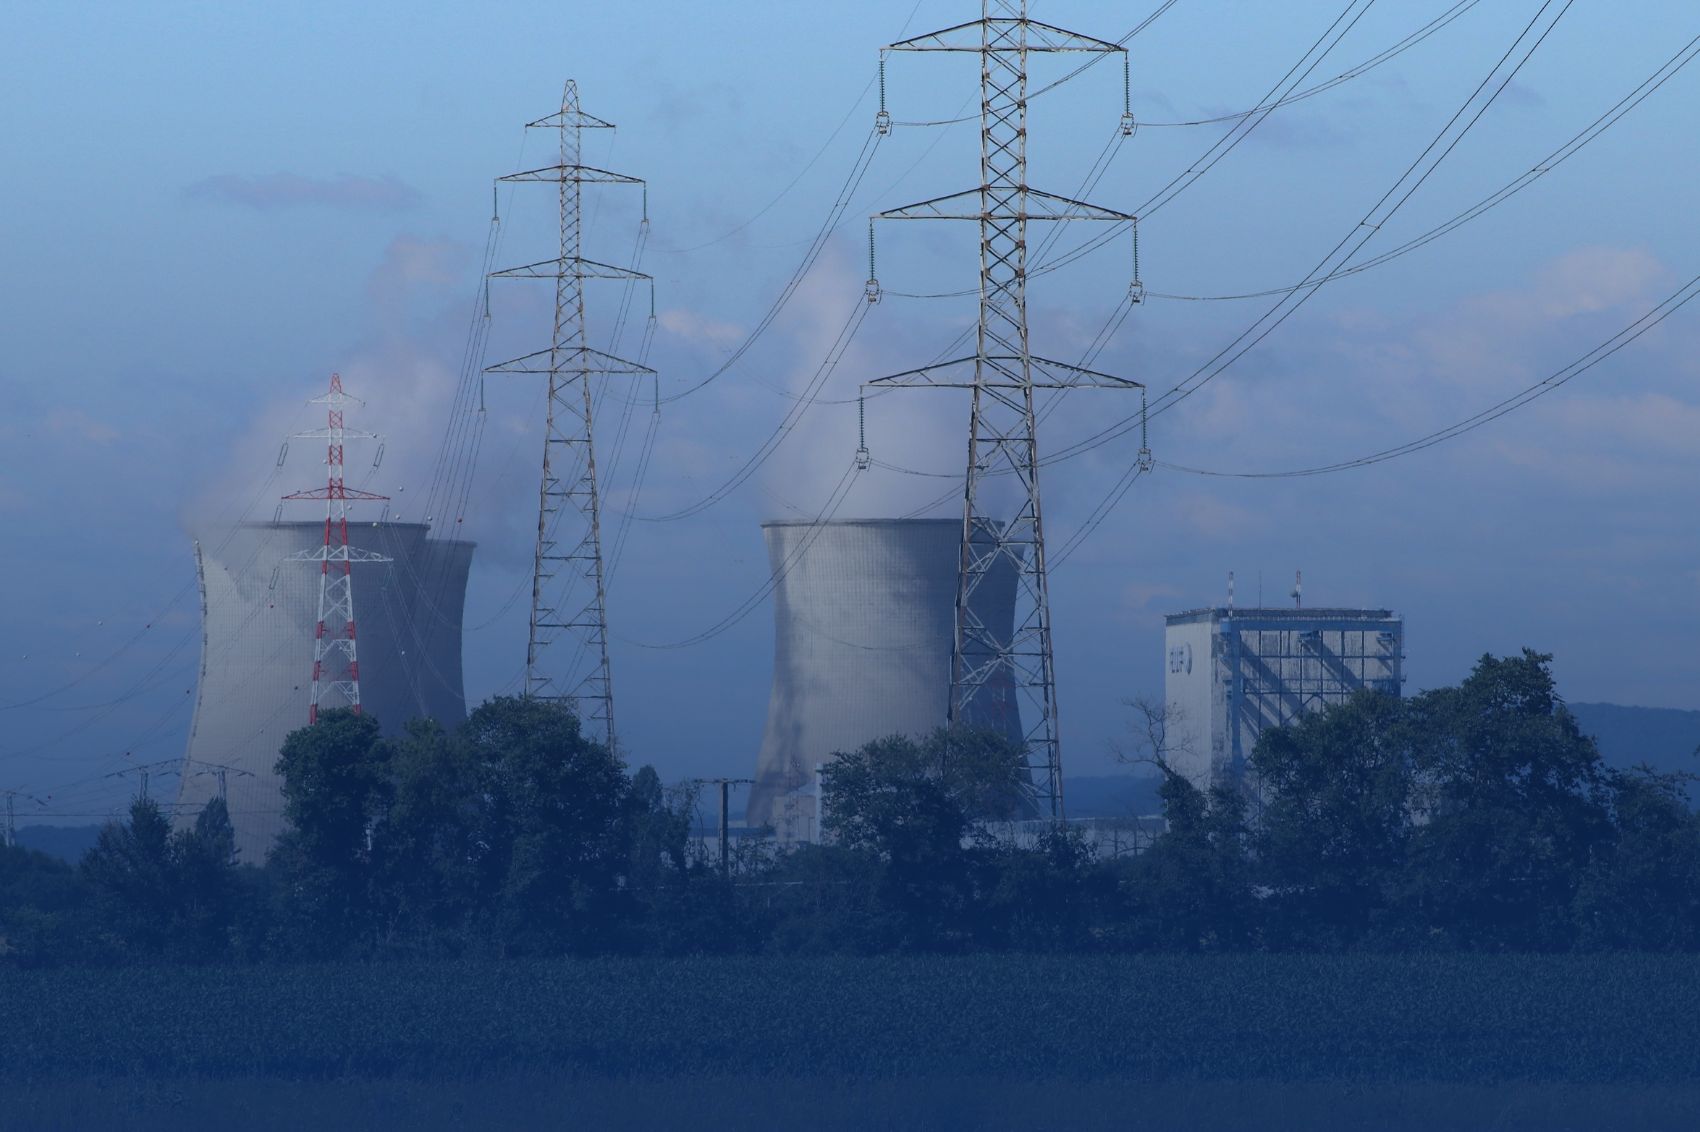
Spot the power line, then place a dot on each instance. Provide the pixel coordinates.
(1343, 252)
(1672, 303)
(1541, 168)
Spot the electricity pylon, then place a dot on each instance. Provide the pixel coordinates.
(336, 660)
(568, 602)
(1003, 373)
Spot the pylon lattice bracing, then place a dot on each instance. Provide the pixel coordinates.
(336, 661)
(1002, 375)
(567, 651)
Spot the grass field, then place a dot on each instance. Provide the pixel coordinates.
(997, 1041)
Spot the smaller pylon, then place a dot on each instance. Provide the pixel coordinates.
(336, 661)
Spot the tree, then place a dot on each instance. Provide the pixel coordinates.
(44, 916)
(1336, 823)
(1642, 891)
(434, 844)
(336, 788)
(687, 905)
(553, 823)
(1192, 890)
(894, 790)
(132, 872)
(911, 805)
(1511, 806)
(208, 890)
(1051, 897)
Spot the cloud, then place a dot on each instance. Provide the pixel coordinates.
(76, 423)
(347, 192)
(690, 325)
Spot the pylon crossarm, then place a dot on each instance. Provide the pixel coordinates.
(582, 174)
(1004, 371)
(558, 268)
(571, 361)
(341, 491)
(1007, 205)
(571, 119)
(337, 554)
(333, 433)
(974, 35)
(1051, 374)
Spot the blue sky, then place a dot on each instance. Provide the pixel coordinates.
(207, 208)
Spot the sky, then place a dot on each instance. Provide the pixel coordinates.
(209, 208)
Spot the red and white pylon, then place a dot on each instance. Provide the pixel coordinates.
(336, 662)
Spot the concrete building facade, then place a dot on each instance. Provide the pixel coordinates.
(258, 612)
(864, 626)
(1230, 673)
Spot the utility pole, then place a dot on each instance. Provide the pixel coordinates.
(568, 590)
(1002, 374)
(220, 771)
(143, 773)
(725, 785)
(336, 662)
(12, 797)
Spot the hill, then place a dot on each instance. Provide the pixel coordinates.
(1664, 738)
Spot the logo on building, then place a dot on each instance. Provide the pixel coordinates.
(1180, 658)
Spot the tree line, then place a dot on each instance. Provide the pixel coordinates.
(1474, 817)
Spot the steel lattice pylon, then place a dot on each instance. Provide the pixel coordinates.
(336, 661)
(568, 602)
(1002, 374)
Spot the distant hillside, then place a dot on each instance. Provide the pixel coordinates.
(1664, 738)
(68, 842)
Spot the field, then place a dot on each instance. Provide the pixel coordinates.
(1544, 1042)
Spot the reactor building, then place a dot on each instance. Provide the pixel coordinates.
(1230, 673)
(259, 609)
(864, 628)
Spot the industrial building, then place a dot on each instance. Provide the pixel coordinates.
(1230, 673)
(864, 627)
(258, 614)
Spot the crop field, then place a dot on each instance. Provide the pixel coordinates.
(1100, 1032)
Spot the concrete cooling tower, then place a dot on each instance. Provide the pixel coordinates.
(258, 613)
(864, 622)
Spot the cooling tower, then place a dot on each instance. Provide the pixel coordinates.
(258, 612)
(864, 621)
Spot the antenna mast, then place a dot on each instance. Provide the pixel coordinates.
(336, 663)
(568, 592)
(1003, 373)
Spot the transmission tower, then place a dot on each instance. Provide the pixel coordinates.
(336, 663)
(1002, 374)
(568, 602)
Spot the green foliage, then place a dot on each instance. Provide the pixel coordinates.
(513, 835)
(44, 916)
(911, 805)
(1642, 891)
(1334, 838)
(1512, 807)
(552, 820)
(1053, 897)
(1470, 818)
(163, 895)
(336, 787)
(1192, 890)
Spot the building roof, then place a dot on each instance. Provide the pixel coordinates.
(1279, 613)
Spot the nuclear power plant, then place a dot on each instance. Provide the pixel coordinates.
(259, 609)
(863, 629)
(1231, 673)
